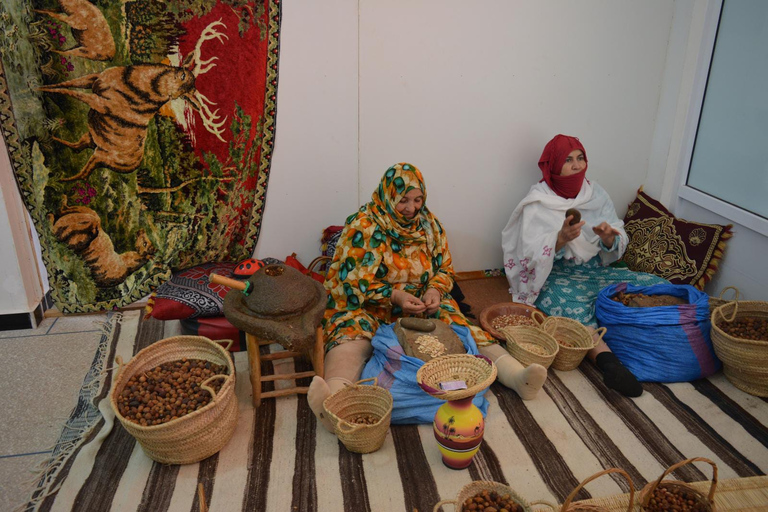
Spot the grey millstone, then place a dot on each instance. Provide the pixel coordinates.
(442, 331)
(284, 306)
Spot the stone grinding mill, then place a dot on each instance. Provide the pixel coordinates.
(277, 304)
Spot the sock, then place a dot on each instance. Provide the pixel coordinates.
(318, 392)
(526, 382)
(616, 376)
(343, 365)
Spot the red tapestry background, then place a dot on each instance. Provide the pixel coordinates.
(140, 133)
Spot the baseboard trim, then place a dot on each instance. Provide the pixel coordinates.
(18, 321)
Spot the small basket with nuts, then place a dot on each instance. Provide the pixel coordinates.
(484, 495)
(574, 339)
(570, 506)
(177, 398)
(360, 415)
(531, 345)
(507, 314)
(675, 495)
(740, 339)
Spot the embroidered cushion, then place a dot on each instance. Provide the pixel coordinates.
(189, 294)
(680, 251)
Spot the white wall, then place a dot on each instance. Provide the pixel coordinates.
(20, 286)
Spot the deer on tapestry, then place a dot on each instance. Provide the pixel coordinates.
(124, 100)
(89, 28)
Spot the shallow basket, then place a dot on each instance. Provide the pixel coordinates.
(199, 434)
(489, 314)
(519, 337)
(572, 332)
(478, 372)
(357, 400)
(474, 488)
(745, 362)
(706, 501)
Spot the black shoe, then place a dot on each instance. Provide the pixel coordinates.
(616, 376)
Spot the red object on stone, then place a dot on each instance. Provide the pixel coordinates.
(246, 268)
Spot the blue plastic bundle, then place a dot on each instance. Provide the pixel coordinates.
(659, 344)
(396, 372)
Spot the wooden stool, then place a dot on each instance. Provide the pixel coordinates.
(317, 358)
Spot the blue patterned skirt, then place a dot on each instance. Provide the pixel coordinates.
(571, 289)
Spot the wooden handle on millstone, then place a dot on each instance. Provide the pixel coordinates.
(243, 286)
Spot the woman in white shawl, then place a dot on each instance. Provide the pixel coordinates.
(558, 260)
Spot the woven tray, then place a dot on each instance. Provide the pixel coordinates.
(478, 372)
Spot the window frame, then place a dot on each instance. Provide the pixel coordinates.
(684, 192)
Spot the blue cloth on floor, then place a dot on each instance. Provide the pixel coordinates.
(396, 372)
(663, 343)
(571, 288)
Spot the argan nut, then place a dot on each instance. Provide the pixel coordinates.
(576, 215)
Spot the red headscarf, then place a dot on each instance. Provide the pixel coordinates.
(552, 161)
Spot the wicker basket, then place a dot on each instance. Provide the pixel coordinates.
(707, 502)
(489, 314)
(197, 435)
(472, 489)
(571, 332)
(357, 400)
(745, 362)
(478, 372)
(583, 507)
(520, 338)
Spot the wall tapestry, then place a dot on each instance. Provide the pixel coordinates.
(140, 133)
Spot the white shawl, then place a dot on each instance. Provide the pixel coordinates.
(530, 237)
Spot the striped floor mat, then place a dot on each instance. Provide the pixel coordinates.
(278, 460)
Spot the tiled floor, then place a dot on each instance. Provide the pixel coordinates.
(41, 375)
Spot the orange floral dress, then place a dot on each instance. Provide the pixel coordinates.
(378, 251)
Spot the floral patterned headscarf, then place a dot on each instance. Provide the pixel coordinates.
(396, 182)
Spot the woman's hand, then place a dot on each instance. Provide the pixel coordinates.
(431, 300)
(408, 303)
(607, 233)
(568, 232)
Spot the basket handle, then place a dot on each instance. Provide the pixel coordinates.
(544, 502)
(374, 379)
(710, 497)
(444, 502)
(546, 323)
(205, 386)
(623, 473)
(722, 315)
(227, 343)
(120, 366)
(600, 331)
(535, 317)
(347, 428)
(735, 294)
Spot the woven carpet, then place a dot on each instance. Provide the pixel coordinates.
(140, 134)
(279, 460)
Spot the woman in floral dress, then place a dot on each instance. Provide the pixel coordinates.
(392, 260)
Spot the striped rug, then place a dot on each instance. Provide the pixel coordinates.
(278, 460)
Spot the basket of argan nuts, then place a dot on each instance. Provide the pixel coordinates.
(484, 495)
(177, 398)
(674, 495)
(574, 339)
(360, 415)
(740, 339)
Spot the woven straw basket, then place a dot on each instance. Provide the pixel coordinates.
(351, 402)
(520, 339)
(584, 507)
(745, 362)
(199, 434)
(474, 488)
(478, 372)
(571, 332)
(707, 502)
